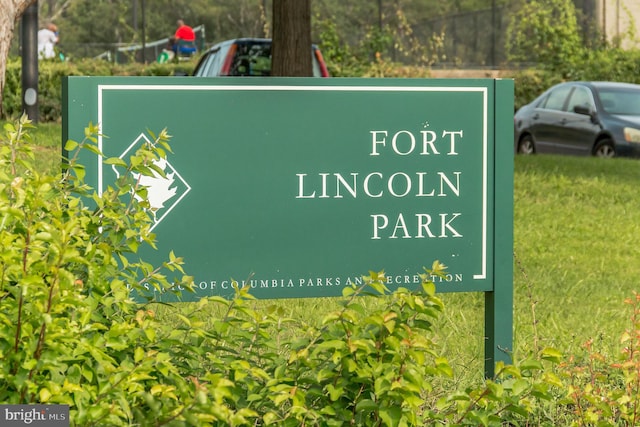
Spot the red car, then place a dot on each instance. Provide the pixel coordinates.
(247, 57)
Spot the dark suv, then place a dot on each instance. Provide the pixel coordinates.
(247, 57)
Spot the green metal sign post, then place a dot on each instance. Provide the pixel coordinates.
(298, 187)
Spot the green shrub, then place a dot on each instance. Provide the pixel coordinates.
(545, 32)
(604, 389)
(529, 84)
(607, 64)
(610, 64)
(51, 73)
(72, 335)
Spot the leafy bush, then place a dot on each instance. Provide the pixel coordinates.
(545, 32)
(368, 59)
(613, 64)
(604, 389)
(548, 30)
(529, 84)
(51, 73)
(606, 64)
(72, 334)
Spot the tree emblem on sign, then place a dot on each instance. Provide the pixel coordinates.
(159, 188)
(163, 192)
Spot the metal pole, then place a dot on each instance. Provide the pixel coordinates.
(144, 46)
(135, 16)
(493, 34)
(29, 32)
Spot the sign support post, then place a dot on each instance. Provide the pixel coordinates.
(499, 302)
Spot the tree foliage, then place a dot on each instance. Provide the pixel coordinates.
(545, 32)
(120, 21)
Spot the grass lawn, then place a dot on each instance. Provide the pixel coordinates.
(577, 227)
(576, 234)
(577, 257)
(47, 142)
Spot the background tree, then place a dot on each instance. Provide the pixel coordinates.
(50, 10)
(291, 38)
(108, 20)
(545, 32)
(11, 11)
(83, 21)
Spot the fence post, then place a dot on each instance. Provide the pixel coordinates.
(29, 30)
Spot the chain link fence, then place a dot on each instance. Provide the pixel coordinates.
(472, 39)
(123, 53)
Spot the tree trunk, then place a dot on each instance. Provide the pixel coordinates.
(12, 10)
(291, 48)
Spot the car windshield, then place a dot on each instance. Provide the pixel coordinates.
(624, 101)
(246, 57)
(252, 59)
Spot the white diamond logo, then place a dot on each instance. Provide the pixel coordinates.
(163, 193)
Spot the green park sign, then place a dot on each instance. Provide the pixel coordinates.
(299, 187)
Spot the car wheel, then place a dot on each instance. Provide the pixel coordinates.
(604, 148)
(526, 145)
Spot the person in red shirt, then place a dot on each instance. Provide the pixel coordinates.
(184, 40)
(184, 32)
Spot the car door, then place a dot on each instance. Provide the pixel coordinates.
(579, 131)
(548, 120)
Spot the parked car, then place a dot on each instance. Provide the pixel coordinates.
(247, 57)
(588, 118)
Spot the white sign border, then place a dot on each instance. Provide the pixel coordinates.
(483, 90)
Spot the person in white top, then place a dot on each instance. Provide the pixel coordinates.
(47, 39)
